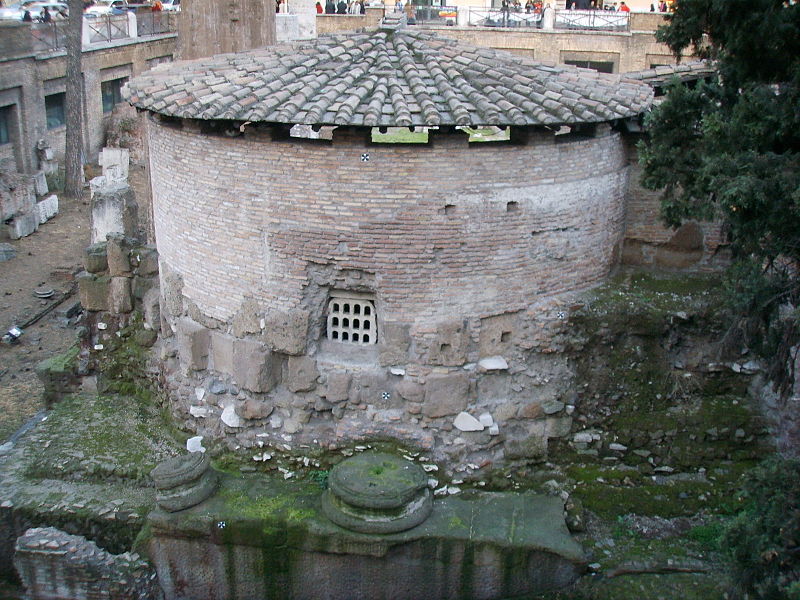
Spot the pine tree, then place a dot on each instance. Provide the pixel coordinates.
(729, 148)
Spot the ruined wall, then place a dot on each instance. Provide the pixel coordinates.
(648, 242)
(467, 252)
(54, 565)
(633, 50)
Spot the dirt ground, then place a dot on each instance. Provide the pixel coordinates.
(50, 258)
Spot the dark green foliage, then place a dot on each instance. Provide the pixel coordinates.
(764, 539)
(730, 149)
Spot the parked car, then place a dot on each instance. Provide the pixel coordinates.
(106, 7)
(171, 5)
(12, 12)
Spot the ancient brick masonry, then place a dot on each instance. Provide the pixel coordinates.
(54, 565)
(450, 229)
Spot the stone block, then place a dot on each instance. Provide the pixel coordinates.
(115, 163)
(505, 411)
(47, 209)
(558, 427)
(222, 352)
(151, 307)
(410, 391)
(532, 445)
(337, 387)
(40, 183)
(369, 387)
(195, 313)
(287, 332)
(394, 345)
(120, 299)
(118, 252)
(144, 259)
(446, 394)
(7, 252)
(301, 374)
(449, 346)
(247, 319)
(141, 285)
(58, 375)
(254, 366)
(252, 409)
(114, 210)
(497, 334)
(193, 342)
(23, 225)
(95, 259)
(531, 410)
(93, 291)
(172, 289)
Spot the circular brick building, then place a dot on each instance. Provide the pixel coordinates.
(340, 289)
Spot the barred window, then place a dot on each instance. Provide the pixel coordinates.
(351, 319)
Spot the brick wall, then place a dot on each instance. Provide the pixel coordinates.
(447, 230)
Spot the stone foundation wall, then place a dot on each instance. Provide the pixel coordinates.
(469, 252)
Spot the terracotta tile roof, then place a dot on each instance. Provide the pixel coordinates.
(394, 76)
(662, 75)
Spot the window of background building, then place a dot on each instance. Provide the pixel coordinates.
(602, 67)
(54, 109)
(112, 93)
(5, 125)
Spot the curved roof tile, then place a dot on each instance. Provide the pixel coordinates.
(389, 77)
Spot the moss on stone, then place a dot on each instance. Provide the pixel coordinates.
(60, 364)
(100, 439)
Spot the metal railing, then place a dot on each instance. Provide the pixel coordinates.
(604, 20)
(495, 17)
(49, 36)
(106, 28)
(441, 15)
(150, 22)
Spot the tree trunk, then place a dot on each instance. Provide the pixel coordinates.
(73, 163)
